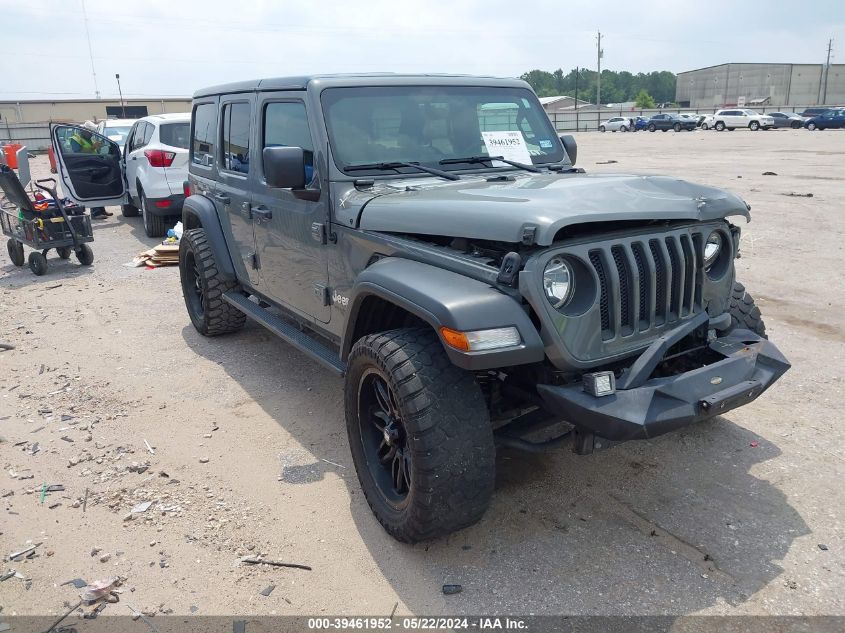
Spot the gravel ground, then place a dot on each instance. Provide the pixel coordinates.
(738, 515)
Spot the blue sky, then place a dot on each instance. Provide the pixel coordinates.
(172, 47)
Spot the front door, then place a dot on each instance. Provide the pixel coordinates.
(89, 166)
(133, 153)
(290, 225)
(234, 181)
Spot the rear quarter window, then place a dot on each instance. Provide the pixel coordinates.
(174, 134)
(205, 131)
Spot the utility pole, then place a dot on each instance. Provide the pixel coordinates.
(576, 99)
(90, 53)
(827, 70)
(598, 79)
(120, 92)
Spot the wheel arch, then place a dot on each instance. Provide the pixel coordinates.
(394, 290)
(199, 212)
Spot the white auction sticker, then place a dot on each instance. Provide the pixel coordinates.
(509, 145)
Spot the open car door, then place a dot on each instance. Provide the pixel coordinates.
(91, 172)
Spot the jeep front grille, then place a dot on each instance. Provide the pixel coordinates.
(647, 282)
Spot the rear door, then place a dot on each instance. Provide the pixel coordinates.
(91, 173)
(234, 179)
(173, 138)
(289, 225)
(133, 153)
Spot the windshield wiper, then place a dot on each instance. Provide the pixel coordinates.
(395, 165)
(484, 159)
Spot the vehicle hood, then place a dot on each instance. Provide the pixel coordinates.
(542, 203)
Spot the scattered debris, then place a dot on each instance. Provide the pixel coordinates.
(23, 552)
(55, 488)
(85, 501)
(76, 582)
(149, 448)
(142, 507)
(450, 590)
(268, 590)
(333, 463)
(105, 558)
(99, 589)
(53, 287)
(67, 439)
(67, 613)
(769, 173)
(793, 194)
(53, 506)
(606, 162)
(161, 255)
(6, 346)
(754, 444)
(274, 563)
(203, 460)
(823, 547)
(7, 575)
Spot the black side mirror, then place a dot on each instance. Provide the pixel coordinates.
(570, 146)
(284, 167)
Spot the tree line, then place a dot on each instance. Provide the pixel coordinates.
(616, 87)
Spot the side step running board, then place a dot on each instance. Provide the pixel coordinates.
(288, 332)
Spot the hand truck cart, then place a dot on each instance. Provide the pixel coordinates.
(42, 224)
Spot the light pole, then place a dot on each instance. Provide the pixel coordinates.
(120, 92)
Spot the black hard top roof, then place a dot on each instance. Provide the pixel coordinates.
(361, 79)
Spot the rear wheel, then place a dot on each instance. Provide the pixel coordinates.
(652, 127)
(15, 249)
(796, 125)
(203, 287)
(154, 225)
(704, 126)
(85, 255)
(754, 126)
(624, 128)
(419, 433)
(37, 263)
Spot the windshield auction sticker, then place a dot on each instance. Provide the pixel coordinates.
(508, 145)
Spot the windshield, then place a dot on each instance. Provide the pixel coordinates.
(117, 133)
(430, 124)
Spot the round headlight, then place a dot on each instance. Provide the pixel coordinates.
(712, 248)
(558, 282)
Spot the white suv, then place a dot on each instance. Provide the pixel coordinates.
(156, 168)
(116, 130)
(732, 119)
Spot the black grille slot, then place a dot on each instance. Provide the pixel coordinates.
(689, 273)
(676, 272)
(626, 300)
(595, 260)
(645, 281)
(660, 282)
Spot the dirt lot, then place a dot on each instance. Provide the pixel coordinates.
(739, 515)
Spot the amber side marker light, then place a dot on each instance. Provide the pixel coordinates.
(480, 340)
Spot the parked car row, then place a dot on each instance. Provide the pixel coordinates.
(730, 119)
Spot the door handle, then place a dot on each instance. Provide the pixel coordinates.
(222, 198)
(262, 213)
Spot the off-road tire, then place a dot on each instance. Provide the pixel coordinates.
(85, 255)
(37, 263)
(154, 225)
(744, 312)
(64, 252)
(15, 249)
(448, 434)
(720, 127)
(210, 314)
(129, 210)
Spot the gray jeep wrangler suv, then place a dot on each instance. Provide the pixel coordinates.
(429, 239)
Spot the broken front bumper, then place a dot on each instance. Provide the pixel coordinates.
(652, 407)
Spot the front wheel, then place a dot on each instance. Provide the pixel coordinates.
(203, 287)
(15, 249)
(812, 126)
(85, 255)
(129, 210)
(37, 263)
(754, 126)
(602, 128)
(419, 433)
(677, 127)
(744, 312)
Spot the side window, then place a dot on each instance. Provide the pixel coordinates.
(236, 137)
(148, 133)
(205, 130)
(286, 125)
(138, 137)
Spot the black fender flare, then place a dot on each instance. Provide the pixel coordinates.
(443, 298)
(199, 211)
